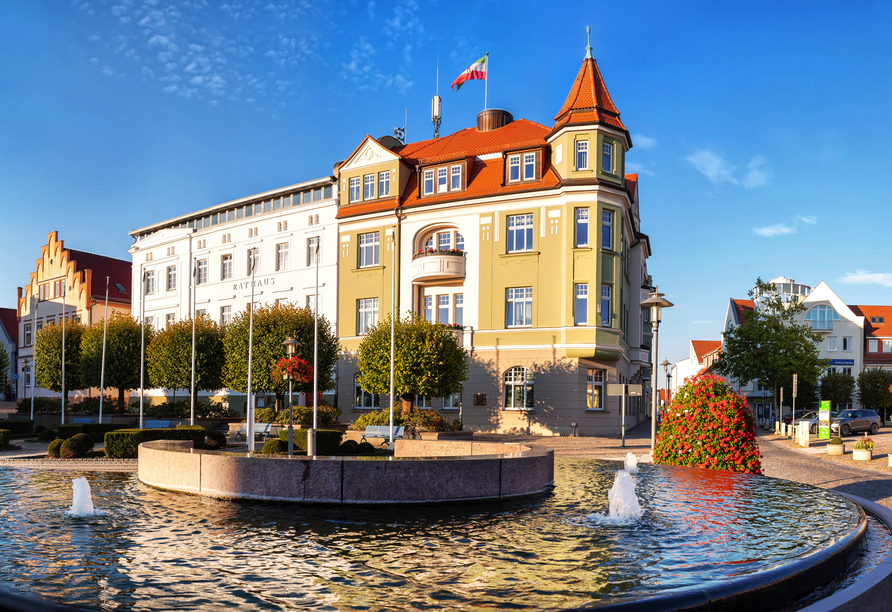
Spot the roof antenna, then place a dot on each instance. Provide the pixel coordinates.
(588, 49)
(437, 105)
(400, 132)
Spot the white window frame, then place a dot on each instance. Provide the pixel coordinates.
(443, 307)
(459, 242)
(872, 345)
(607, 229)
(253, 262)
(847, 344)
(368, 250)
(368, 187)
(384, 184)
(822, 317)
(366, 315)
(521, 377)
(171, 278)
(519, 307)
(520, 230)
(428, 183)
(150, 282)
(606, 301)
(607, 157)
(428, 308)
(831, 344)
(529, 166)
(514, 168)
(361, 395)
(887, 346)
(458, 308)
(226, 266)
(312, 253)
(582, 154)
(355, 189)
(282, 250)
(442, 179)
(455, 178)
(452, 402)
(201, 273)
(27, 334)
(580, 304)
(444, 240)
(582, 221)
(169, 319)
(225, 315)
(594, 392)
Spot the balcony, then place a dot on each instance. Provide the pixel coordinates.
(441, 265)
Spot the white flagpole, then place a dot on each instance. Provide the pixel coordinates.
(486, 80)
(34, 356)
(393, 314)
(104, 332)
(250, 410)
(192, 390)
(64, 295)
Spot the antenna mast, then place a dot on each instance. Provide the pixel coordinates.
(400, 132)
(437, 105)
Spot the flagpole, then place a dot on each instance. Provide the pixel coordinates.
(486, 81)
(104, 332)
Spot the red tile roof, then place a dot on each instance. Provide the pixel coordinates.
(703, 347)
(588, 100)
(742, 307)
(10, 322)
(632, 184)
(469, 141)
(875, 330)
(118, 270)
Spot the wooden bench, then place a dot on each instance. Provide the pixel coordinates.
(260, 429)
(156, 424)
(383, 431)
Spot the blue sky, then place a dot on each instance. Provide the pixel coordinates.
(761, 129)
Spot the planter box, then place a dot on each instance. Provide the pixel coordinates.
(836, 449)
(447, 435)
(862, 455)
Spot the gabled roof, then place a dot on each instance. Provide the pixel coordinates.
(118, 270)
(10, 323)
(519, 134)
(589, 100)
(875, 330)
(703, 347)
(632, 184)
(742, 307)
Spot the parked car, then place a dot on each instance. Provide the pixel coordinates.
(855, 420)
(799, 414)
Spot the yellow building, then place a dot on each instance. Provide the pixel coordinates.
(525, 236)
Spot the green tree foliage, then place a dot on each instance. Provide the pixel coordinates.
(122, 347)
(874, 390)
(48, 357)
(770, 345)
(4, 369)
(708, 425)
(838, 388)
(273, 323)
(169, 355)
(427, 360)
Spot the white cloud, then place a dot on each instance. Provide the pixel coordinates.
(757, 174)
(778, 229)
(645, 142)
(713, 167)
(864, 277)
(807, 220)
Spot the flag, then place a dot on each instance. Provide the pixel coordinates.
(476, 71)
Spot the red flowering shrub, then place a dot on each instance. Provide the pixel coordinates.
(300, 370)
(708, 425)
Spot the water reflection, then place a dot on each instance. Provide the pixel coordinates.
(156, 550)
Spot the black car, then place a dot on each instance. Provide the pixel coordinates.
(855, 420)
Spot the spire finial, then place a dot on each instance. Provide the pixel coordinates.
(588, 49)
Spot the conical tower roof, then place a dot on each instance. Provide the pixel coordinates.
(589, 100)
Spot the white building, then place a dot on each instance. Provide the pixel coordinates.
(279, 229)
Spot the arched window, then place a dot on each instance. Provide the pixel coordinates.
(518, 389)
(365, 399)
(821, 317)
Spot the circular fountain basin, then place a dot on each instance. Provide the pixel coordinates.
(706, 540)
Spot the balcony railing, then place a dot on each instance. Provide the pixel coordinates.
(433, 265)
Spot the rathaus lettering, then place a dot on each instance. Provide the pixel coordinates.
(257, 283)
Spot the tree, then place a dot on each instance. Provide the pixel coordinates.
(838, 388)
(770, 345)
(4, 370)
(875, 390)
(122, 354)
(48, 357)
(427, 360)
(169, 355)
(273, 323)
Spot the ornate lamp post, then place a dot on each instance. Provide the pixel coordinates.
(291, 347)
(27, 372)
(666, 365)
(656, 302)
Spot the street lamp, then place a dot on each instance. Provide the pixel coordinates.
(27, 372)
(656, 303)
(291, 347)
(666, 365)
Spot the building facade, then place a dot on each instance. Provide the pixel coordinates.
(525, 237)
(70, 284)
(201, 262)
(877, 336)
(9, 340)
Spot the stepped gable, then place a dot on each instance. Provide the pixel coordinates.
(588, 100)
(10, 322)
(101, 266)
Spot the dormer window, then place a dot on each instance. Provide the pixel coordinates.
(428, 182)
(529, 166)
(522, 167)
(877, 320)
(442, 185)
(456, 178)
(513, 168)
(441, 179)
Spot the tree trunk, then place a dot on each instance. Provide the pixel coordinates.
(408, 400)
(121, 404)
(280, 402)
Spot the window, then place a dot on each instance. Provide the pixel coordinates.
(831, 343)
(872, 346)
(429, 308)
(282, 226)
(520, 233)
(456, 178)
(846, 371)
(519, 307)
(452, 402)
(423, 401)
(354, 189)
(821, 317)
(363, 399)
(582, 304)
(226, 267)
(384, 184)
(459, 242)
(170, 251)
(847, 344)
(281, 257)
(607, 157)
(444, 240)
(514, 168)
(442, 184)
(879, 320)
(459, 314)
(605, 305)
(428, 182)
(169, 320)
(529, 166)
(368, 250)
(171, 278)
(607, 229)
(443, 309)
(367, 314)
(369, 187)
(582, 227)
(253, 261)
(201, 312)
(27, 335)
(312, 249)
(582, 154)
(429, 243)
(887, 346)
(150, 281)
(310, 220)
(595, 390)
(518, 389)
(26, 374)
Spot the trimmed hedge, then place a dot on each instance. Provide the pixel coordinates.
(182, 409)
(68, 430)
(85, 439)
(52, 451)
(124, 443)
(4, 438)
(216, 440)
(72, 448)
(18, 426)
(327, 441)
(275, 447)
(47, 435)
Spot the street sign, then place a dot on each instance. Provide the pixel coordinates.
(616, 389)
(635, 390)
(795, 383)
(15, 376)
(824, 421)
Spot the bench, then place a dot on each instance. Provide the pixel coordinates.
(81, 420)
(260, 429)
(156, 424)
(383, 431)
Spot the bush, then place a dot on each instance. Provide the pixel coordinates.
(182, 410)
(708, 425)
(52, 451)
(365, 448)
(19, 426)
(326, 416)
(46, 435)
(276, 447)
(96, 436)
(67, 430)
(378, 417)
(86, 440)
(90, 405)
(836, 440)
(39, 428)
(45, 405)
(327, 441)
(72, 448)
(4, 438)
(124, 443)
(215, 440)
(349, 447)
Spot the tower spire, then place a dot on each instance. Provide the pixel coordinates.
(588, 49)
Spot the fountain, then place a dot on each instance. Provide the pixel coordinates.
(631, 463)
(82, 500)
(624, 504)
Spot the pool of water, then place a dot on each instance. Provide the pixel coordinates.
(151, 549)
